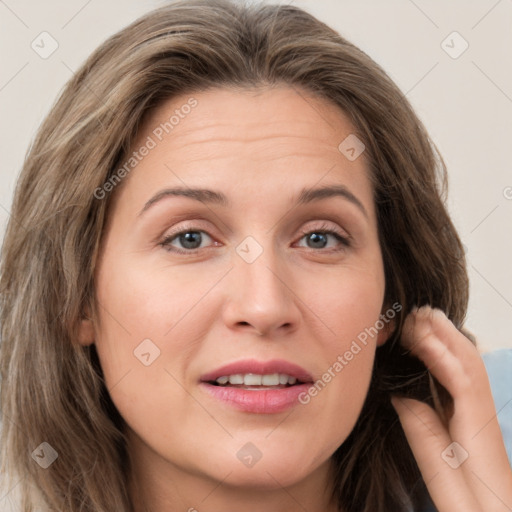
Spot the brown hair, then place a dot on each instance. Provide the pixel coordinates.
(53, 388)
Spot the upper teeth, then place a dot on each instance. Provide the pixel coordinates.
(253, 379)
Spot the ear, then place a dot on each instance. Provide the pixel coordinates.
(86, 330)
(385, 332)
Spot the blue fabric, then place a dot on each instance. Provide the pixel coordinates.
(499, 369)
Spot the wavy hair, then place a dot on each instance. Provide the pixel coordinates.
(52, 388)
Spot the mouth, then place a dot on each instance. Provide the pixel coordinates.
(257, 387)
(254, 381)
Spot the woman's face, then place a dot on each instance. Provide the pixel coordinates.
(268, 276)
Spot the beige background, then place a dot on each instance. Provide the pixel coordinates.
(465, 102)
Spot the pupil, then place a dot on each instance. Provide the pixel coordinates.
(317, 239)
(189, 239)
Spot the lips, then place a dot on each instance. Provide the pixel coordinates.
(257, 387)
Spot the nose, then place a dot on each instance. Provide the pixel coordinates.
(261, 297)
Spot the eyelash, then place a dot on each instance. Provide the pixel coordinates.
(323, 229)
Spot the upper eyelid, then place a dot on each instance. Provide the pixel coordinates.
(325, 226)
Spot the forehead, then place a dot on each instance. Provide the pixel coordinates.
(244, 115)
(252, 140)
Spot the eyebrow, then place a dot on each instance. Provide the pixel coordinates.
(206, 196)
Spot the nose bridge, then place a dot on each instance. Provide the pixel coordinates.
(260, 297)
(257, 265)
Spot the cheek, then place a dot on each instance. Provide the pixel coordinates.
(142, 369)
(142, 310)
(350, 307)
(141, 303)
(348, 304)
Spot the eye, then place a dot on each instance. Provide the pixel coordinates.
(319, 238)
(190, 240)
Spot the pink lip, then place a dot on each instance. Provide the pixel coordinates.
(260, 368)
(264, 401)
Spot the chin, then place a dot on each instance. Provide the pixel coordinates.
(268, 476)
(271, 466)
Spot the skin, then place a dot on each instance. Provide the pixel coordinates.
(480, 480)
(210, 307)
(294, 302)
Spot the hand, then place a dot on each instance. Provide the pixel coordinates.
(475, 475)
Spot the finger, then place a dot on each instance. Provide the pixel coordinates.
(455, 363)
(451, 361)
(429, 440)
(450, 357)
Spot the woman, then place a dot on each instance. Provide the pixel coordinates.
(210, 284)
